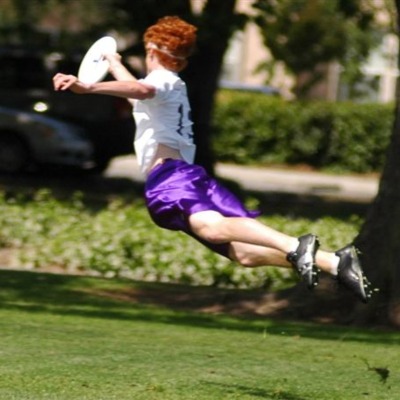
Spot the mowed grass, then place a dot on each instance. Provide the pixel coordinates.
(67, 338)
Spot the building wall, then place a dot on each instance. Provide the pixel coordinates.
(247, 51)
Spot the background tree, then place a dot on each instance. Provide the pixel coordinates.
(379, 238)
(17, 21)
(307, 34)
(78, 22)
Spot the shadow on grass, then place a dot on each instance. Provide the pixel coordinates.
(255, 392)
(108, 299)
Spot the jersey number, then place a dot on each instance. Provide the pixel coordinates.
(181, 119)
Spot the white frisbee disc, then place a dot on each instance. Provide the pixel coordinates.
(94, 66)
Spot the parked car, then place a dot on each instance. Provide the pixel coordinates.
(26, 84)
(245, 87)
(29, 139)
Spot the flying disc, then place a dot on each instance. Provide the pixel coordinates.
(94, 66)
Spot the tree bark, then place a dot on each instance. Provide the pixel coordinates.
(379, 238)
(216, 26)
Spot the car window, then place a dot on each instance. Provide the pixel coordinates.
(21, 72)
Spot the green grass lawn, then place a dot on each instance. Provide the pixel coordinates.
(67, 338)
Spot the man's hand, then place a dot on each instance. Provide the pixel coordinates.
(71, 82)
(117, 69)
(114, 59)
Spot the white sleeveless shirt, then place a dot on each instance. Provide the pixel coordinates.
(164, 119)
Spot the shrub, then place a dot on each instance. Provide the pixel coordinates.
(256, 129)
(120, 240)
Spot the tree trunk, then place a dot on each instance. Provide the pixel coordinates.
(216, 25)
(379, 238)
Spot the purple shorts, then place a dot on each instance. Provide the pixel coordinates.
(175, 190)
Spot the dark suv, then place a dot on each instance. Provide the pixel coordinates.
(26, 84)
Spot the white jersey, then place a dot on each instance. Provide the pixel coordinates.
(164, 119)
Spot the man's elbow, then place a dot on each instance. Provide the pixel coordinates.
(146, 92)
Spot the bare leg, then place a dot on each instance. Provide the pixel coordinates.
(253, 243)
(250, 255)
(215, 228)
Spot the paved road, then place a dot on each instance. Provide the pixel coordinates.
(359, 189)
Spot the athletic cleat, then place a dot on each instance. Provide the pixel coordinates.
(303, 259)
(351, 275)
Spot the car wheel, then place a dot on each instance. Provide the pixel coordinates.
(99, 167)
(14, 155)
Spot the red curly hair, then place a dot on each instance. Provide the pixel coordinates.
(173, 40)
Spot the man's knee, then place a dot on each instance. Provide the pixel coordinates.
(207, 225)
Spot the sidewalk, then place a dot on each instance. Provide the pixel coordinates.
(351, 188)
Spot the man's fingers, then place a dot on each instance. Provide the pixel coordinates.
(63, 82)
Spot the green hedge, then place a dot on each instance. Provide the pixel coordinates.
(256, 129)
(121, 240)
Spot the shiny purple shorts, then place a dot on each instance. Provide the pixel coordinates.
(175, 190)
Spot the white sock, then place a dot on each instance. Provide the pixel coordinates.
(335, 264)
